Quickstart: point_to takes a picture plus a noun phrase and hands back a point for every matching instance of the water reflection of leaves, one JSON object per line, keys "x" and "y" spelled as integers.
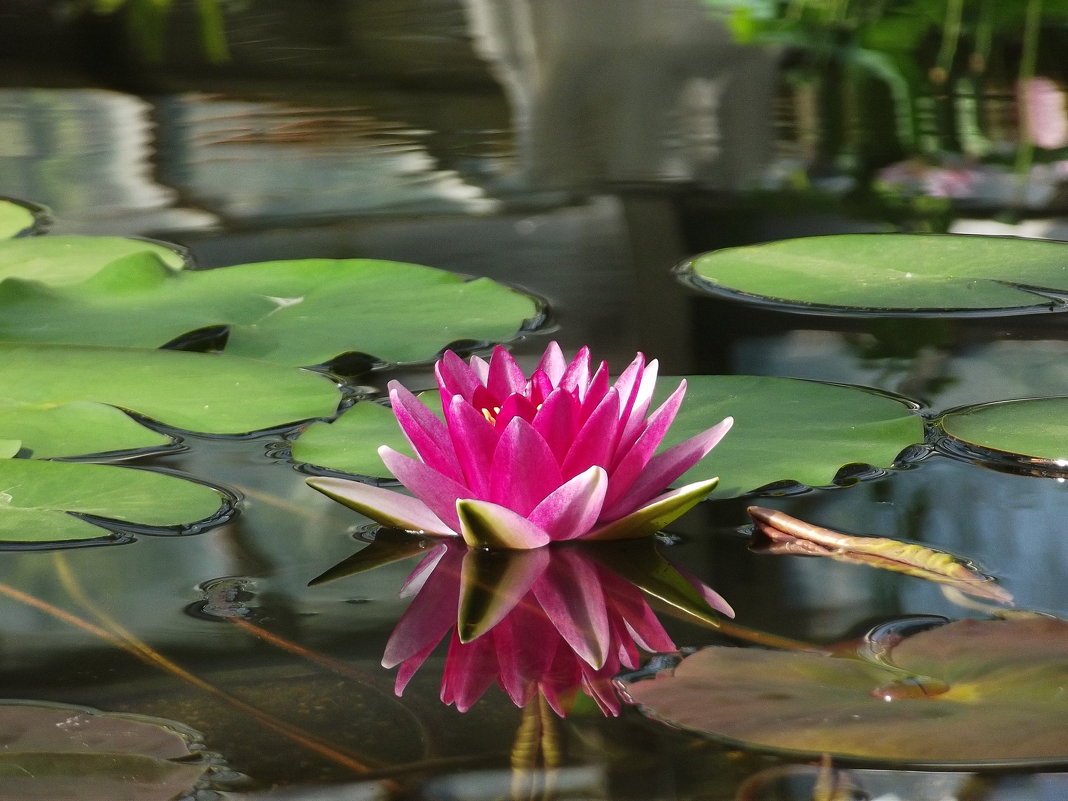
{"x": 543, "y": 623}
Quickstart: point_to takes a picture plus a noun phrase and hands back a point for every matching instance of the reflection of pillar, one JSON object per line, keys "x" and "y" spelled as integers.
{"x": 627, "y": 90}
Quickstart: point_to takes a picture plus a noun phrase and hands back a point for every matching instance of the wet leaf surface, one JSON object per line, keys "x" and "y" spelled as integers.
{"x": 301, "y": 312}
{"x": 68, "y": 401}
{"x": 50, "y": 752}
{"x": 59, "y": 261}
{"x": 968, "y": 693}
{"x": 15, "y": 219}
{"x": 783, "y": 534}
{"x": 35, "y": 497}
{"x": 784, "y": 430}
{"x": 904, "y": 273}
{"x": 1032, "y": 428}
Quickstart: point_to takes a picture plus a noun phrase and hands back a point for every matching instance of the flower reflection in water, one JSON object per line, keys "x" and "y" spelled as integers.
{"x": 542, "y": 623}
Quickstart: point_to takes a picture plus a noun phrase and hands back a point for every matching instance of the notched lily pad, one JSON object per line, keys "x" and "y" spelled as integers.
{"x": 54, "y": 502}
{"x": 1030, "y": 434}
{"x": 971, "y": 693}
{"x": 785, "y": 430}
{"x": 64, "y": 401}
{"x": 890, "y": 273}
{"x": 50, "y": 751}
{"x": 18, "y": 218}
{"x": 59, "y": 261}
{"x": 300, "y": 313}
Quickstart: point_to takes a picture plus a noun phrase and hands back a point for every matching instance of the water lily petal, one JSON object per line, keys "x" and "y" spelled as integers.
{"x": 667, "y": 466}
{"x": 643, "y": 397}
{"x": 438, "y": 492}
{"x": 712, "y": 598}
{"x": 487, "y": 525}
{"x": 474, "y": 440}
{"x": 581, "y": 618}
{"x": 577, "y": 374}
{"x": 656, "y": 514}
{"x": 387, "y": 507}
{"x": 572, "y": 509}
{"x": 430, "y": 615}
{"x": 557, "y": 422}
{"x": 505, "y": 375}
{"x": 593, "y": 393}
{"x": 634, "y": 461}
{"x": 524, "y": 470}
{"x": 455, "y": 376}
{"x": 425, "y": 432}
{"x": 515, "y": 406}
{"x": 596, "y": 439}
{"x": 470, "y": 670}
{"x": 553, "y": 363}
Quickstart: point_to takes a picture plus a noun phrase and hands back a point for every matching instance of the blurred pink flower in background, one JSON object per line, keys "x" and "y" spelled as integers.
{"x": 1043, "y": 112}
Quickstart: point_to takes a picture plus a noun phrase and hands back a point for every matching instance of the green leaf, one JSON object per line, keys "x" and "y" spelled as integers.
{"x": 1035, "y": 429}
{"x": 784, "y": 430}
{"x": 292, "y": 312}
{"x": 902, "y": 273}
{"x": 64, "y": 260}
{"x": 35, "y": 497}
{"x": 52, "y": 396}
{"x": 15, "y": 219}
{"x": 58, "y": 751}
{"x": 968, "y": 693}
{"x": 9, "y": 447}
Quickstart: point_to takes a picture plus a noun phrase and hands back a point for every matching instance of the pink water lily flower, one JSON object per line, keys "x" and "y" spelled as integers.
{"x": 521, "y": 462}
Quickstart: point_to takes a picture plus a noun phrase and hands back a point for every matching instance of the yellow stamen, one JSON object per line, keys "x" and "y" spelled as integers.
{"x": 491, "y": 415}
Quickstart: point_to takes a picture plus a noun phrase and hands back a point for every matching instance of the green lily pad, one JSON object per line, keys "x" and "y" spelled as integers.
{"x": 784, "y": 430}
{"x": 1034, "y": 430}
{"x": 899, "y": 273}
{"x": 58, "y": 261}
{"x": 67, "y": 400}
{"x": 968, "y": 693}
{"x": 58, "y": 751}
{"x": 36, "y": 496}
{"x": 9, "y": 447}
{"x": 17, "y": 219}
{"x": 303, "y": 312}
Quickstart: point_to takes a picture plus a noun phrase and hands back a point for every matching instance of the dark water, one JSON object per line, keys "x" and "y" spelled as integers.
{"x": 578, "y": 155}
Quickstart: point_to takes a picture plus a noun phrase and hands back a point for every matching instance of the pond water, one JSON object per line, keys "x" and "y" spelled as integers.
{"x": 578, "y": 155}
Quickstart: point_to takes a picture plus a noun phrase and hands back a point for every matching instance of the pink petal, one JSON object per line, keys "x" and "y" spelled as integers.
{"x": 712, "y": 598}
{"x": 515, "y": 406}
{"x": 593, "y": 393}
{"x": 667, "y": 466}
{"x": 470, "y": 669}
{"x": 474, "y": 440}
{"x": 580, "y": 617}
{"x": 631, "y": 465}
{"x": 557, "y": 421}
{"x": 577, "y": 374}
{"x": 427, "y": 435}
{"x": 487, "y": 525}
{"x": 422, "y": 571}
{"x": 572, "y": 509}
{"x": 553, "y": 363}
{"x": 596, "y": 439}
{"x": 524, "y": 469}
{"x": 642, "y": 397}
{"x": 384, "y": 506}
{"x": 438, "y": 492}
{"x": 455, "y": 377}
{"x": 481, "y": 607}
{"x": 505, "y": 375}
{"x": 480, "y": 367}
{"x": 656, "y": 514}
{"x": 430, "y": 615}
{"x": 539, "y": 387}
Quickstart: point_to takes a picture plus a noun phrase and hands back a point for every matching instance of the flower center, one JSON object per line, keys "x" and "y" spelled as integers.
{"x": 491, "y": 414}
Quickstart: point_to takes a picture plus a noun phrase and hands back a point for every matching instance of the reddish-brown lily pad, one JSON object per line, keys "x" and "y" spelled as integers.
{"x": 970, "y": 693}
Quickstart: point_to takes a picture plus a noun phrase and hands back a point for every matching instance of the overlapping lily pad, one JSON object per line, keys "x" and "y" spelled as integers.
{"x": 59, "y": 261}
{"x": 38, "y": 500}
{"x": 17, "y": 219}
{"x": 67, "y": 400}
{"x": 784, "y": 430}
{"x": 898, "y": 273}
{"x": 969, "y": 693}
{"x": 1032, "y": 431}
{"x": 304, "y": 312}
{"x": 55, "y": 751}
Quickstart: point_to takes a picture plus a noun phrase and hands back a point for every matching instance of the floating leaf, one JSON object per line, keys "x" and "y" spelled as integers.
{"x": 57, "y": 751}
{"x": 9, "y": 447}
{"x": 292, "y": 312}
{"x": 17, "y": 219}
{"x": 788, "y": 535}
{"x": 784, "y": 430}
{"x": 59, "y": 261}
{"x": 969, "y": 693}
{"x": 53, "y": 397}
{"x": 1032, "y": 429}
{"x": 36, "y": 496}
{"x": 902, "y": 273}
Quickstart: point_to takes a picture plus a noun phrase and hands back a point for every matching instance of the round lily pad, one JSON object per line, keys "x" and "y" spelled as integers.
{"x": 304, "y": 312}
{"x": 785, "y": 430}
{"x": 38, "y": 501}
{"x": 1032, "y": 431}
{"x": 971, "y": 693}
{"x": 68, "y": 400}
{"x": 890, "y": 273}
{"x": 19, "y": 219}
{"x": 52, "y": 751}
{"x": 63, "y": 260}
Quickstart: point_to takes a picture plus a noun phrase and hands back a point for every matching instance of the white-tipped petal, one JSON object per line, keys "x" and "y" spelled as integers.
{"x": 656, "y": 514}
{"x": 384, "y": 506}
{"x": 487, "y": 525}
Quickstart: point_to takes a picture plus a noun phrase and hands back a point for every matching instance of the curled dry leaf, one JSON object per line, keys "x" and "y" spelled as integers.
{"x": 783, "y": 534}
